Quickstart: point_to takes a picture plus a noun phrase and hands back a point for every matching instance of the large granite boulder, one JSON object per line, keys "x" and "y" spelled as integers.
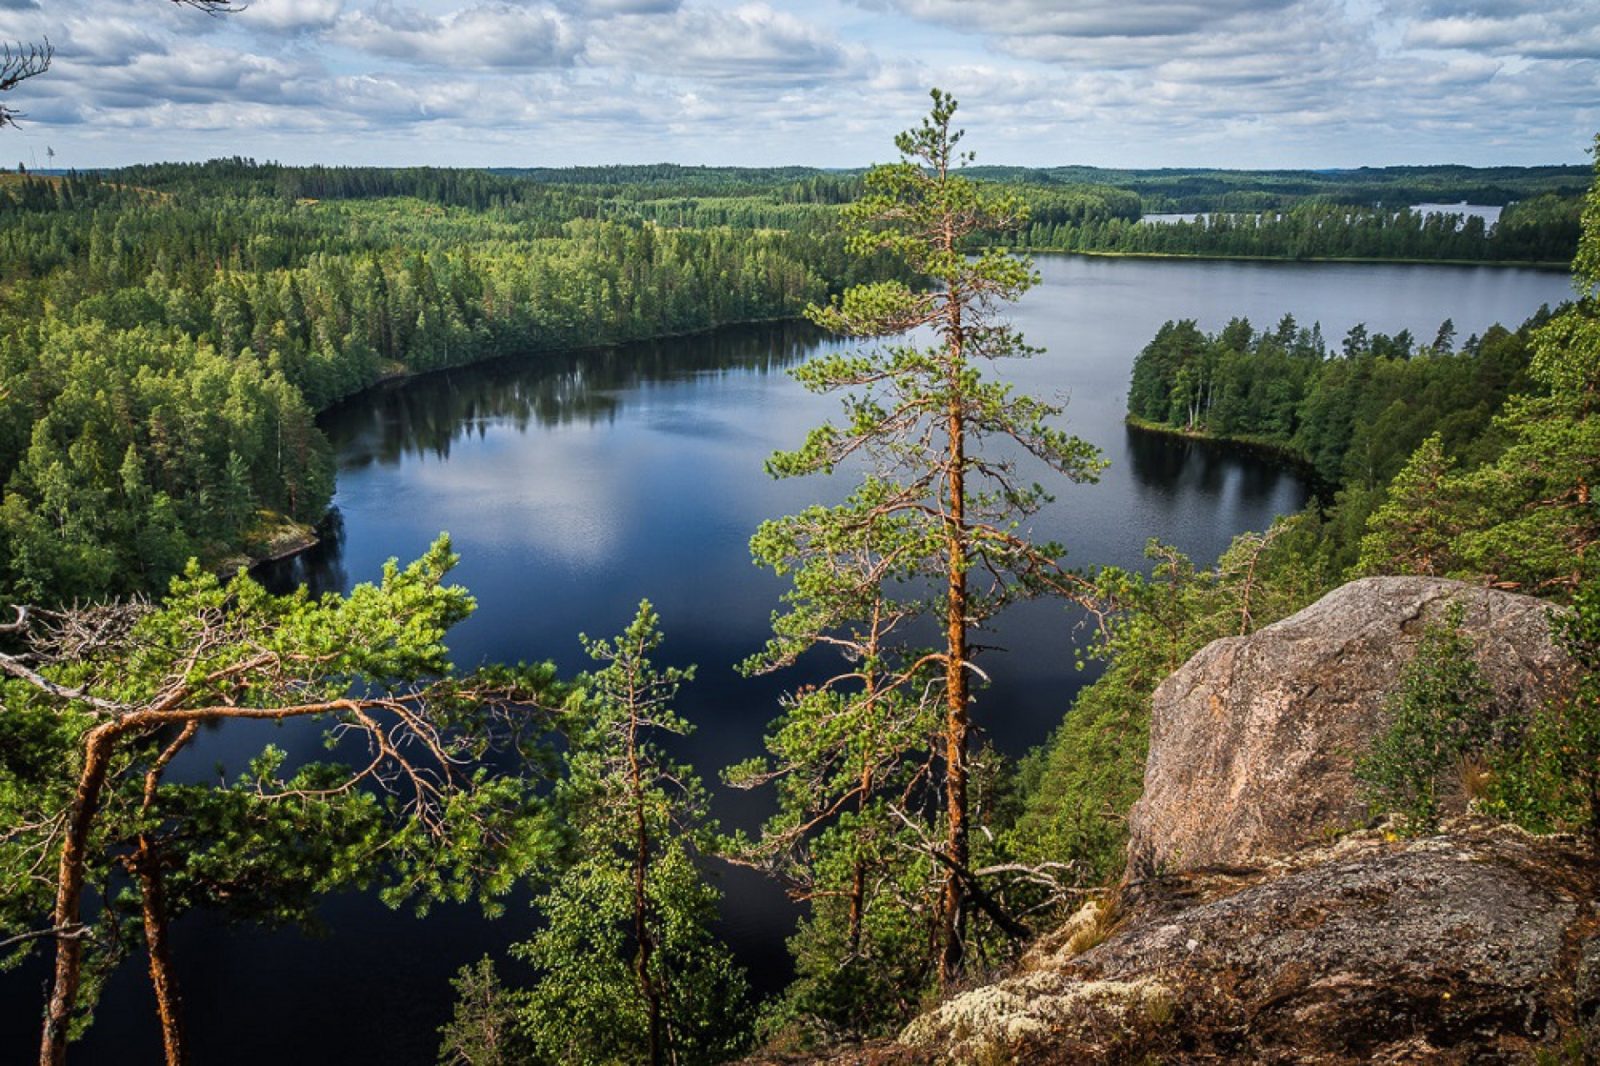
{"x": 1475, "y": 945}
{"x": 1253, "y": 741}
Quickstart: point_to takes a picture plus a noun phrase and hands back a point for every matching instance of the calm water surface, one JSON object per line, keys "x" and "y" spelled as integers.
{"x": 574, "y": 485}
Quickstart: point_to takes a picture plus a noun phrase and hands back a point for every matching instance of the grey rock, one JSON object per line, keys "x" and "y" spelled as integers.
{"x": 1253, "y": 741}
{"x": 1462, "y": 947}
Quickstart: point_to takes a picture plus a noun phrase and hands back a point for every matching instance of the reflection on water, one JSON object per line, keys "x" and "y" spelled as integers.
{"x": 429, "y": 415}
{"x": 320, "y": 569}
{"x": 1173, "y": 467}
{"x": 573, "y": 485}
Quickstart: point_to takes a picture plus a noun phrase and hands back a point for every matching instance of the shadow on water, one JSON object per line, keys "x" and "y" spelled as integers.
{"x": 425, "y": 416}
{"x": 1169, "y": 464}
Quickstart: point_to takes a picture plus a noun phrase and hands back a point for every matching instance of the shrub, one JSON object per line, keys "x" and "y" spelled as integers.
{"x": 1439, "y": 718}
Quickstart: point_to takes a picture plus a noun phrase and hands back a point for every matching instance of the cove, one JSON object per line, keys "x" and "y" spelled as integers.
{"x": 576, "y": 484}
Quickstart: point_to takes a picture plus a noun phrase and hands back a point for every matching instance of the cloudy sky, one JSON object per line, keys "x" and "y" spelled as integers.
{"x": 1232, "y": 83}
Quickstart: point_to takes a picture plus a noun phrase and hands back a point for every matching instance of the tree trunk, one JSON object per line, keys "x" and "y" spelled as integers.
{"x": 641, "y": 925}
{"x": 153, "y": 909}
{"x": 69, "y": 896}
{"x": 858, "y": 875}
{"x": 957, "y": 723}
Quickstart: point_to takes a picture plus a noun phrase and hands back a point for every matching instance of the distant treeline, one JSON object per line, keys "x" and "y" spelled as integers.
{"x": 1541, "y": 230}
{"x": 565, "y": 191}
{"x": 167, "y": 333}
{"x": 1198, "y": 190}
{"x": 1203, "y": 190}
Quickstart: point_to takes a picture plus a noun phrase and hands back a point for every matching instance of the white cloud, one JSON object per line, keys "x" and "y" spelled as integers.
{"x": 751, "y": 43}
{"x": 1118, "y": 82}
{"x": 486, "y": 35}
{"x": 1090, "y": 18}
{"x": 292, "y": 16}
{"x": 1555, "y": 35}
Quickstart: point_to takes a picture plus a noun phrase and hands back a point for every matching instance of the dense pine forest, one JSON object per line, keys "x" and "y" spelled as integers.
{"x": 1541, "y": 230}
{"x": 167, "y": 337}
{"x": 171, "y": 331}
{"x": 169, "y": 334}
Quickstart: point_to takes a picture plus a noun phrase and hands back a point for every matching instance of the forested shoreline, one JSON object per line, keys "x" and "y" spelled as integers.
{"x": 165, "y": 350}
{"x": 137, "y": 436}
{"x": 168, "y": 334}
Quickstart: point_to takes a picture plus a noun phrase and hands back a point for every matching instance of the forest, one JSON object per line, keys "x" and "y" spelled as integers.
{"x": 170, "y": 331}
{"x": 164, "y": 350}
{"x": 168, "y": 335}
{"x": 1541, "y": 230}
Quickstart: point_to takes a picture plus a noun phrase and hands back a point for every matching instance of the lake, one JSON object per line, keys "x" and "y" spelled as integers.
{"x": 1490, "y": 213}
{"x": 575, "y": 484}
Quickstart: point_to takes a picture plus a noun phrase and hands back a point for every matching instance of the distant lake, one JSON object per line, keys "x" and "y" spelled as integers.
{"x": 575, "y": 484}
{"x": 1490, "y": 213}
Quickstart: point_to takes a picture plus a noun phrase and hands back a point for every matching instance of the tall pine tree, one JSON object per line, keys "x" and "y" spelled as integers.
{"x": 919, "y": 416}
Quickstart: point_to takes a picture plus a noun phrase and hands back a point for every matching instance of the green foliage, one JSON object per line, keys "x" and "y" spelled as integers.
{"x": 483, "y": 1029}
{"x": 441, "y": 802}
{"x": 1520, "y": 509}
{"x": 628, "y": 968}
{"x": 1550, "y": 780}
{"x": 844, "y": 757}
{"x": 1411, "y": 530}
{"x": 587, "y": 1007}
{"x": 1077, "y": 786}
{"x": 862, "y": 979}
{"x": 1440, "y": 719}
{"x": 1353, "y": 417}
{"x": 1075, "y": 789}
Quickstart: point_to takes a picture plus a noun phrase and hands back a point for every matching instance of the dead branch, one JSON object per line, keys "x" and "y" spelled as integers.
{"x": 986, "y": 903}
{"x": 77, "y": 931}
{"x": 16, "y": 66}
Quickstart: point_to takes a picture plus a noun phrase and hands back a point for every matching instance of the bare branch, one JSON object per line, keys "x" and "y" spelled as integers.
{"x": 76, "y": 931}
{"x": 16, "y": 668}
{"x": 16, "y": 66}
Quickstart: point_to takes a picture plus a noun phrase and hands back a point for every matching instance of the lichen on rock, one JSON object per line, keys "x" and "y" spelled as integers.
{"x": 1466, "y": 946}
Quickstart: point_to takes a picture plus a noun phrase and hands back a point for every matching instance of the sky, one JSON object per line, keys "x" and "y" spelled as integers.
{"x": 1134, "y": 83}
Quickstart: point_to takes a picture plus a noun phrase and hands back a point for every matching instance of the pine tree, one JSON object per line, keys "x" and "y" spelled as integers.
{"x": 1410, "y": 532}
{"x": 629, "y": 970}
{"x": 849, "y": 758}
{"x": 917, "y": 416}
{"x": 102, "y": 700}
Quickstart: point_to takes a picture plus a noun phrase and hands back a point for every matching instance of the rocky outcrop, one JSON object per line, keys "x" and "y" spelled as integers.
{"x": 1252, "y": 742}
{"x": 1263, "y": 920}
{"x": 1471, "y": 946}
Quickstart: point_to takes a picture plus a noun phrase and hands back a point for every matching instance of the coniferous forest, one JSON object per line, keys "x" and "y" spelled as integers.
{"x": 169, "y": 335}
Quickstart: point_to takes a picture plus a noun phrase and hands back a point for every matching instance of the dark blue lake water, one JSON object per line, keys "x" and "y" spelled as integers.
{"x": 575, "y": 484}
